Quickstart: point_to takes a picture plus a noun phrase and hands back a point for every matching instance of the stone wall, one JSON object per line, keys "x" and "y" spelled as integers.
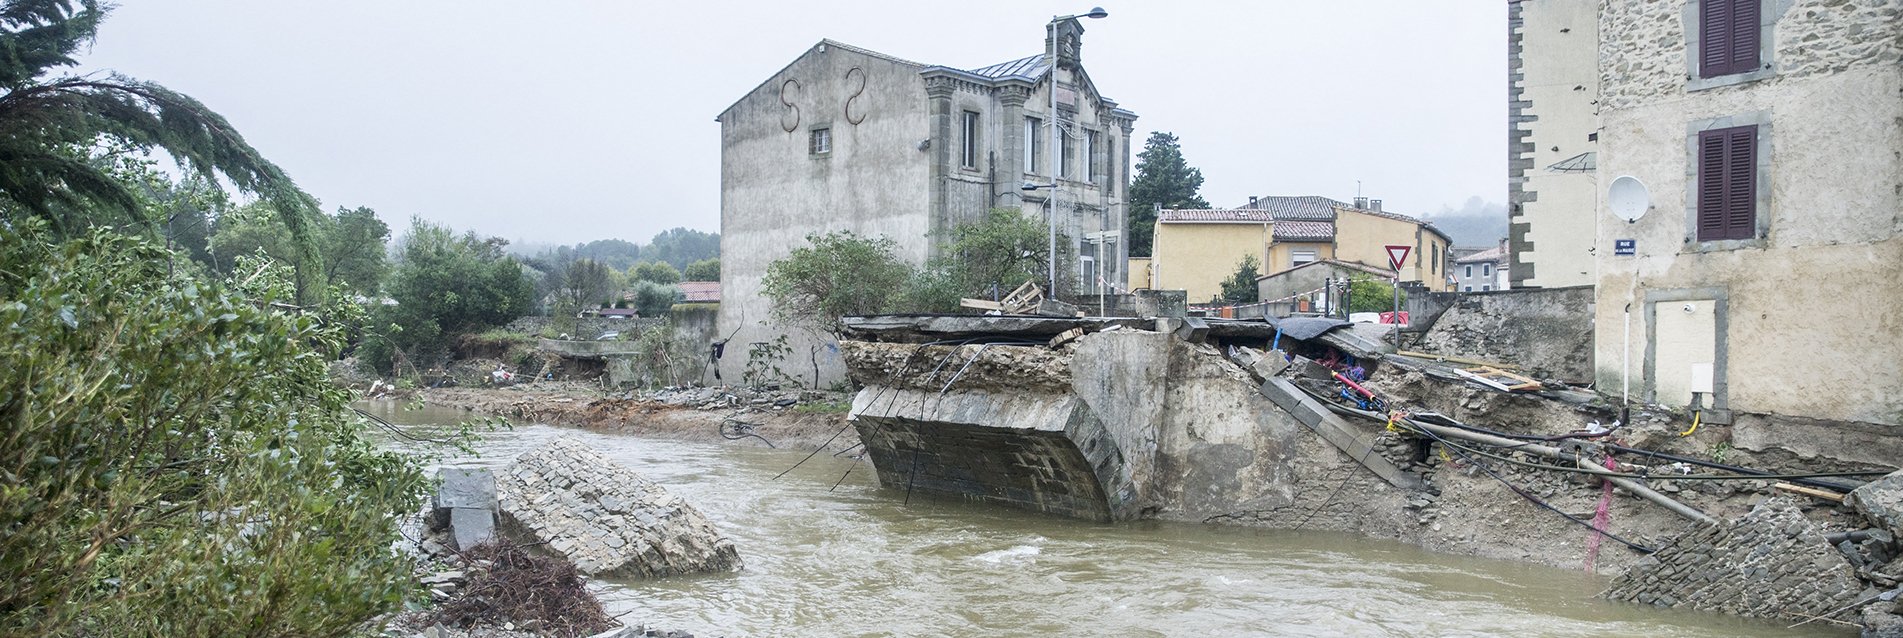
{"x": 1547, "y": 331}
{"x": 1772, "y": 563}
{"x": 1645, "y": 43}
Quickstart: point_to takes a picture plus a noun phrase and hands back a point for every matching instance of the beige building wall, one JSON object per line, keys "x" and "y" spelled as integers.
{"x": 1139, "y": 274}
{"x": 1554, "y": 112}
{"x": 1803, "y": 320}
{"x": 1282, "y": 254}
{"x": 1363, "y": 237}
{"x": 1197, "y": 257}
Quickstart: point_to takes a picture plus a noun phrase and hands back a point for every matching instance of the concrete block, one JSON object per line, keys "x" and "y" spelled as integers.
{"x": 470, "y": 526}
{"x": 465, "y": 487}
{"x": 1271, "y": 364}
{"x": 1162, "y": 303}
{"x": 1193, "y": 330}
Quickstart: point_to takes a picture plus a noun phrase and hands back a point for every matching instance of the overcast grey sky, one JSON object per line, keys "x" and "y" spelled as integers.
{"x": 569, "y": 121}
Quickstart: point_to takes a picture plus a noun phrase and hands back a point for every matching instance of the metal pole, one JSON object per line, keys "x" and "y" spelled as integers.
{"x": 1634, "y": 487}
{"x": 1055, "y": 152}
{"x": 1397, "y": 310}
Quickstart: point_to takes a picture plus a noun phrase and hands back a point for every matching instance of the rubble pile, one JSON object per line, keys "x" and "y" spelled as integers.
{"x": 605, "y": 518}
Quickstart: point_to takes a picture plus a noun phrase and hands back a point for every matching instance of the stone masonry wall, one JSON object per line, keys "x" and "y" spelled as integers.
{"x": 585, "y": 327}
{"x": 1643, "y": 44}
{"x": 604, "y": 517}
{"x": 1772, "y": 563}
{"x": 1548, "y": 331}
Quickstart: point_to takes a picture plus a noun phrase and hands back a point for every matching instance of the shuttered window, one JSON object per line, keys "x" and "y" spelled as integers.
{"x": 1727, "y": 183}
{"x": 1728, "y": 39}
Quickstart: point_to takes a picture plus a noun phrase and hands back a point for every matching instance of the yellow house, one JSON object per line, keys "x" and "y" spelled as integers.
{"x": 1196, "y": 249}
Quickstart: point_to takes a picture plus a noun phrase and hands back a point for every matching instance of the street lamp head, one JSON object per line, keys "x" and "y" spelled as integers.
{"x": 1031, "y": 186}
{"x": 1096, "y": 12}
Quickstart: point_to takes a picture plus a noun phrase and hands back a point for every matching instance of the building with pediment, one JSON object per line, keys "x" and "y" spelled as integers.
{"x": 844, "y": 138}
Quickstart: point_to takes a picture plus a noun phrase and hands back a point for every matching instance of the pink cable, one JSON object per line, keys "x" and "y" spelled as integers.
{"x": 1601, "y": 517}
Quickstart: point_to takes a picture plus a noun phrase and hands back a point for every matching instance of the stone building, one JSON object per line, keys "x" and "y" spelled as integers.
{"x": 846, "y": 139}
{"x": 1195, "y": 250}
{"x": 1763, "y": 281}
{"x": 1552, "y": 133}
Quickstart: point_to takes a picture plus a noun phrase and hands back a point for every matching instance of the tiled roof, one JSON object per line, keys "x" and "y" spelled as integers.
{"x": 1170, "y": 215}
{"x": 1350, "y": 265}
{"x": 1494, "y": 254}
{"x": 1030, "y": 68}
{"x": 700, "y": 291}
{"x": 1304, "y": 231}
{"x": 1309, "y": 207}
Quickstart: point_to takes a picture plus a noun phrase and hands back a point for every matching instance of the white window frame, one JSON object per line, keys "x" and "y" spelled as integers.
{"x": 968, "y": 151}
{"x": 1295, "y": 257}
{"x": 1031, "y": 139}
{"x": 819, "y": 141}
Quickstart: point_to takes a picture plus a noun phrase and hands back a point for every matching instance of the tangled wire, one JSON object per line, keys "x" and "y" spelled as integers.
{"x": 525, "y": 589}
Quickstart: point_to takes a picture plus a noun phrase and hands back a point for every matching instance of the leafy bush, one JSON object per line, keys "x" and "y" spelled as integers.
{"x": 837, "y": 274}
{"x": 177, "y": 462}
{"x": 1240, "y": 287}
{"x": 652, "y": 299}
{"x": 669, "y": 356}
{"x": 1367, "y": 294}
{"x": 444, "y": 285}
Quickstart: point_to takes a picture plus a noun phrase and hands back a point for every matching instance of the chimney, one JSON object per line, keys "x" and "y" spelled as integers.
{"x": 1361, "y": 203}
{"x": 1252, "y": 200}
{"x": 1374, "y": 205}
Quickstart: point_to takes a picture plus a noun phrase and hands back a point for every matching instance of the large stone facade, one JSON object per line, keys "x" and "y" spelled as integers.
{"x": 1758, "y": 330}
{"x": 912, "y": 151}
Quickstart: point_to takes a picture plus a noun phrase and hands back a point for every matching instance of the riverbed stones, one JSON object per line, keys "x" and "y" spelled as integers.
{"x": 605, "y": 518}
{"x": 1881, "y": 501}
{"x": 1772, "y": 563}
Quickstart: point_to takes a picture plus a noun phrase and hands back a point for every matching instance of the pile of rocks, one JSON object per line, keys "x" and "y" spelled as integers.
{"x": 605, "y": 518}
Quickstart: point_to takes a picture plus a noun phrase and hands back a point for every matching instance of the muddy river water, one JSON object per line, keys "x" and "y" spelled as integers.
{"x": 858, "y": 560}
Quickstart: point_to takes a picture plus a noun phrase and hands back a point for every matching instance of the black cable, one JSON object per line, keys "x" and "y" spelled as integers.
{"x": 1534, "y": 499}
{"x": 742, "y": 430}
{"x": 1672, "y": 477}
{"x": 1331, "y": 495}
{"x": 394, "y": 430}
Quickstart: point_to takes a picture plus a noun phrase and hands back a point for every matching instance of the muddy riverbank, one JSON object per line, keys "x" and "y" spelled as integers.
{"x": 806, "y": 423}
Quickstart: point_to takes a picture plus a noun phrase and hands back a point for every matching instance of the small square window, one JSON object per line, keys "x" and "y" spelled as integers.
{"x": 1299, "y": 257}
{"x": 1486, "y": 287}
{"x": 820, "y": 141}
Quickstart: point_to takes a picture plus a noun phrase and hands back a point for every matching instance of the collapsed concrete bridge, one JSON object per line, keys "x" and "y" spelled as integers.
{"x": 1129, "y": 419}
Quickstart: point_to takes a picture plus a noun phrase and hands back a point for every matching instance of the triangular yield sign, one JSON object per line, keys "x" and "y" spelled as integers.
{"x": 1397, "y": 255}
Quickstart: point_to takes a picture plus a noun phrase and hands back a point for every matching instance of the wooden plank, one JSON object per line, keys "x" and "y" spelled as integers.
{"x": 1453, "y": 359}
{"x": 980, "y": 304}
{"x": 1810, "y": 491}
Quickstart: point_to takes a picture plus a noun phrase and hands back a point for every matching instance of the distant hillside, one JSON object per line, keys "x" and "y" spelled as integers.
{"x": 1476, "y": 224}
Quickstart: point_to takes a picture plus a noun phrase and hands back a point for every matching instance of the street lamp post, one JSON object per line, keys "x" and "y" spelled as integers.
{"x": 1057, "y": 151}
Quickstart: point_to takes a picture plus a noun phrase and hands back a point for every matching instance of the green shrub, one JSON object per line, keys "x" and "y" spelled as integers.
{"x": 176, "y": 461}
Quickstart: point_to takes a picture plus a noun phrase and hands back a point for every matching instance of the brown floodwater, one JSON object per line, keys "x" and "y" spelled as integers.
{"x": 859, "y": 560}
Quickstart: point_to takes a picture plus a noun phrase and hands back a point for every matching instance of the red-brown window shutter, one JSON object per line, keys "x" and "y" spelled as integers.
{"x": 1728, "y": 37}
{"x": 1727, "y": 183}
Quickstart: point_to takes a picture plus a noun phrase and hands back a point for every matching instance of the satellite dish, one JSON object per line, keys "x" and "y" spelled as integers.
{"x": 1628, "y": 198}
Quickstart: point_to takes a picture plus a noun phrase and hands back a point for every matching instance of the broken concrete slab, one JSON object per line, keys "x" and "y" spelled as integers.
{"x": 1354, "y": 442}
{"x": 604, "y": 517}
{"x": 470, "y": 526}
